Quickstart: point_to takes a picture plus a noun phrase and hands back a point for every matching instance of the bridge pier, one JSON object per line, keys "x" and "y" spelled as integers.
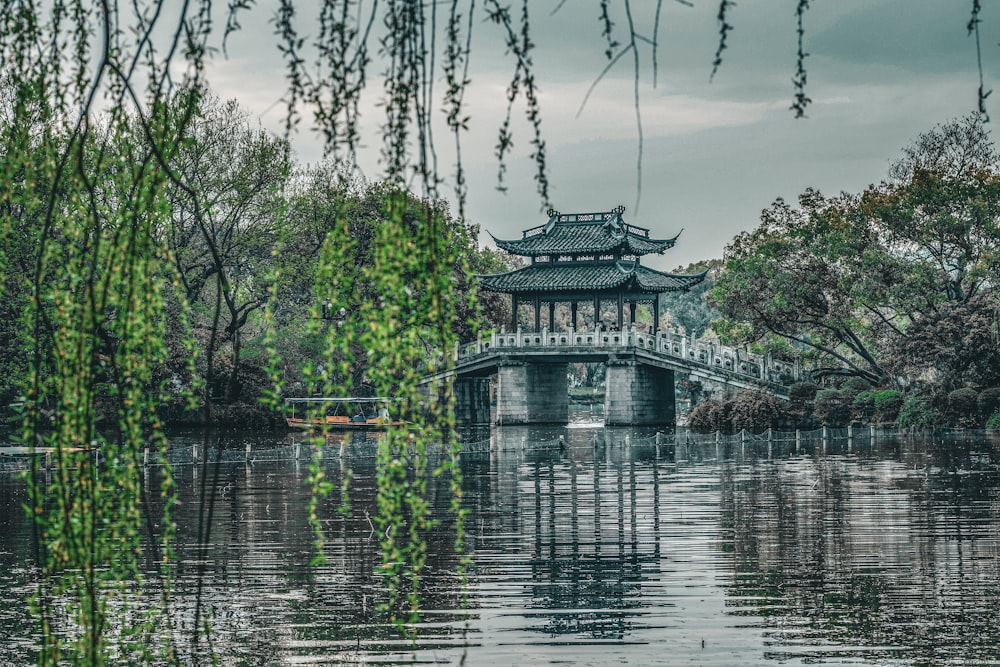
{"x": 532, "y": 393}
{"x": 638, "y": 395}
{"x": 472, "y": 400}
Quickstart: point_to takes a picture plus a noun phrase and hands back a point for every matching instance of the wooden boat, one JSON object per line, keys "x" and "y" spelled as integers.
{"x": 341, "y": 414}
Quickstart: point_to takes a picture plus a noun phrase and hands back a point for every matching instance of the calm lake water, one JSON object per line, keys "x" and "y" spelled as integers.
{"x": 594, "y": 552}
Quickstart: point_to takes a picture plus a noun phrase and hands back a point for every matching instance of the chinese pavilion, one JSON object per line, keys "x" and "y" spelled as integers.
{"x": 587, "y": 258}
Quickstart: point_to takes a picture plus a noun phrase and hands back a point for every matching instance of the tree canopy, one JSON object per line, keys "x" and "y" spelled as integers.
{"x": 866, "y": 281}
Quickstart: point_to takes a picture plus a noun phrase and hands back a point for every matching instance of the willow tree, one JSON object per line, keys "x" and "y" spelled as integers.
{"x": 97, "y": 137}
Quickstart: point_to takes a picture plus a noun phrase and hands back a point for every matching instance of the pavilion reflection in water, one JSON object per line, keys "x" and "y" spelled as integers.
{"x": 583, "y": 515}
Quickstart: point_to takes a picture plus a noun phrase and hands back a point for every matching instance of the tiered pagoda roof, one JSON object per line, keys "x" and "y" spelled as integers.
{"x": 587, "y": 252}
{"x": 588, "y": 276}
{"x": 585, "y": 233}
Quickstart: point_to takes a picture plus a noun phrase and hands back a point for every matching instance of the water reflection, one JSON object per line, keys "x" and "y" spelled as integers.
{"x": 587, "y": 519}
{"x": 588, "y": 545}
{"x": 882, "y": 559}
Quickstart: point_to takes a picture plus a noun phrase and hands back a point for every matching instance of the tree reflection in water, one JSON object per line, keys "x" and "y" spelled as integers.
{"x": 891, "y": 555}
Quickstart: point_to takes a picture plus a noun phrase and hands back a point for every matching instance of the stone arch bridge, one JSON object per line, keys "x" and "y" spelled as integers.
{"x": 531, "y": 379}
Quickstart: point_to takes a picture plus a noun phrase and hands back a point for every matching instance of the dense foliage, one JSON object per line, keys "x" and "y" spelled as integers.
{"x": 895, "y": 286}
{"x": 242, "y": 233}
{"x": 733, "y": 412}
{"x": 810, "y": 407}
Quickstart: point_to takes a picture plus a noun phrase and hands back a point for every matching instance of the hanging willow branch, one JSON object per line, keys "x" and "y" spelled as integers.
{"x": 973, "y": 28}
{"x": 87, "y": 188}
{"x": 520, "y": 45}
{"x": 724, "y": 28}
{"x": 800, "y": 101}
{"x": 607, "y": 30}
{"x": 456, "y": 70}
{"x": 631, "y": 48}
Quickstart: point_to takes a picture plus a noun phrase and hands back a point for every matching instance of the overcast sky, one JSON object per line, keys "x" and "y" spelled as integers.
{"x": 716, "y": 152}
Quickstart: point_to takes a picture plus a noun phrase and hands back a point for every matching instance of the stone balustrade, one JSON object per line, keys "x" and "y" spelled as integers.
{"x": 691, "y": 353}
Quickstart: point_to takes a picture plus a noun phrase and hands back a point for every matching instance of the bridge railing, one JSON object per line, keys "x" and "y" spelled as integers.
{"x": 710, "y": 356}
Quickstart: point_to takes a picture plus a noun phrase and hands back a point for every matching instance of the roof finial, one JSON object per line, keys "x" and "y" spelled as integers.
{"x": 552, "y": 213}
{"x": 618, "y": 209}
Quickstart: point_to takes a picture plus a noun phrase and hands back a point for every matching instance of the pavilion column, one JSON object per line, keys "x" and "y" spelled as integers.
{"x": 656, "y": 314}
{"x": 621, "y": 308}
{"x": 572, "y": 309}
{"x": 631, "y": 312}
{"x": 552, "y": 315}
{"x": 538, "y": 314}
{"x": 513, "y": 312}
{"x": 597, "y": 311}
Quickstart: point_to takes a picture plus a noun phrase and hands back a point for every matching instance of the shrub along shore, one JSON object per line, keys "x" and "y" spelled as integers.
{"x": 854, "y": 403}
